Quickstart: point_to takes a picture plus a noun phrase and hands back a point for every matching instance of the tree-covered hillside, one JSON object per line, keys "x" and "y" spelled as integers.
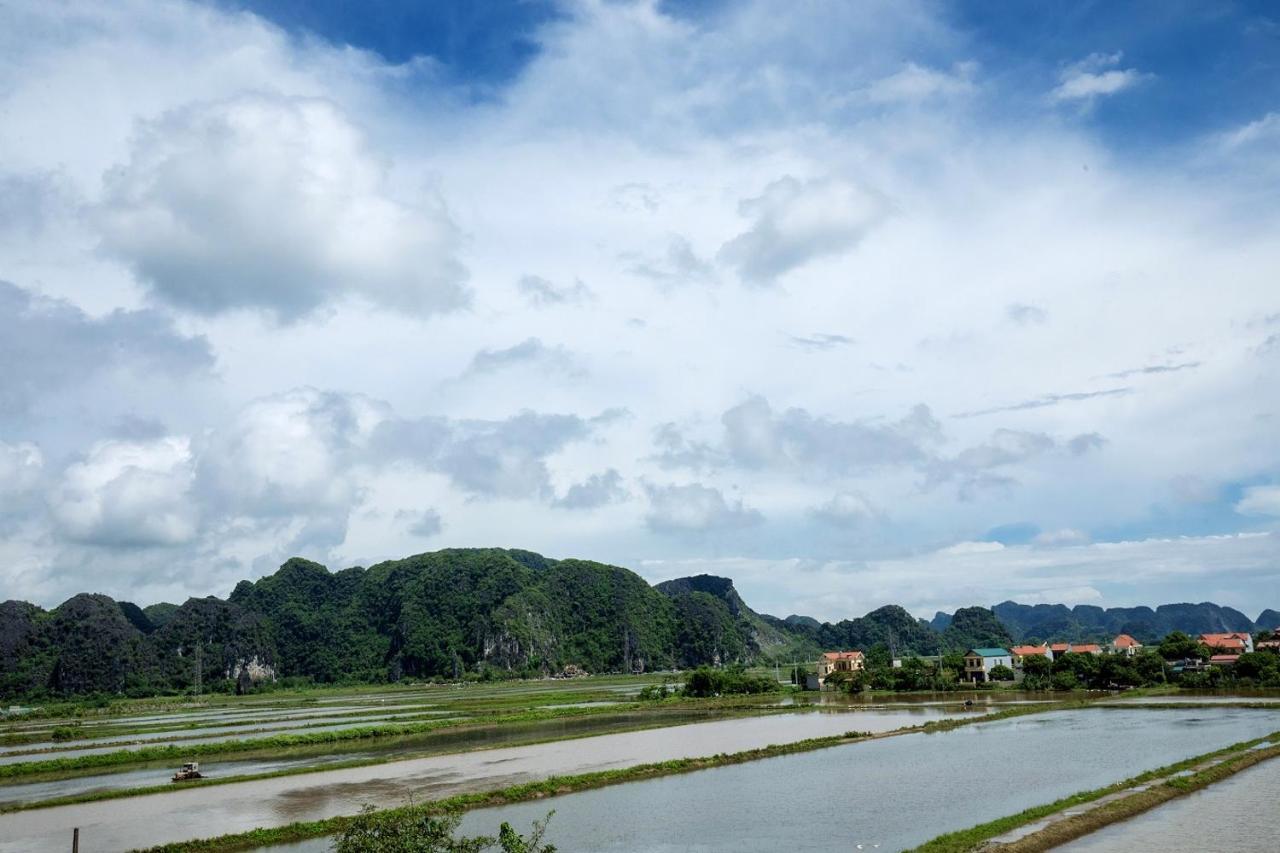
{"x": 456, "y": 613}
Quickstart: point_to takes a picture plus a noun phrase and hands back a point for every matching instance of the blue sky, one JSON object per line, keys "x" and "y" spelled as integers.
{"x": 914, "y": 302}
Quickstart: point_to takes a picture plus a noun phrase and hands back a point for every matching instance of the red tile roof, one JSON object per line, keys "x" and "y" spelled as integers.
{"x": 1061, "y": 647}
{"x": 1023, "y": 651}
{"x": 1220, "y": 639}
{"x": 1086, "y": 648}
{"x": 842, "y": 655}
{"x": 1124, "y": 641}
{"x": 1224, "y": 658}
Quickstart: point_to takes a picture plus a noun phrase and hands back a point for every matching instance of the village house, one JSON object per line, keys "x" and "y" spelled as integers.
{"x": 1057, "y": 650}
{"x": 1125, "y": 645}
{"x": 1022, "y": 652}
{"x": 839, "y": 662}
{"x": 978, "y": 663}
{"x": 1233, "y": 643}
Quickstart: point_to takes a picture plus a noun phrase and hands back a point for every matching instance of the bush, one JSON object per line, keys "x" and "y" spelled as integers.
{"x": 705, "y": 681}
{"x": 1000, "y": 672}
{"x": 415, "y": 830}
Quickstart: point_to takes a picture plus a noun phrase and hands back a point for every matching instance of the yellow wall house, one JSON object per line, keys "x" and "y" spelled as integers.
{"x": 978, "y": 663}
{"x": 839, "y": 662}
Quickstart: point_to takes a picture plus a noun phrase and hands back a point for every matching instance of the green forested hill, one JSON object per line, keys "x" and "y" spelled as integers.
{"x": 465, "y": 611}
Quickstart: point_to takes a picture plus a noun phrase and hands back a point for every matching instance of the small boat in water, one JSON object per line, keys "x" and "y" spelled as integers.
{"x": 189, "y": 771}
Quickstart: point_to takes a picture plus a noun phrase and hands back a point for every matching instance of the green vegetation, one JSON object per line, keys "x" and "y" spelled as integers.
{"x": 491, "y": 614}
{"x": 705, "y": 681}
{"x": 422, "y": 832}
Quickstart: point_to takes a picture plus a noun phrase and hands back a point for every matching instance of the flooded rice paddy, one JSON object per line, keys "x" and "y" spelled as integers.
{"x": 205, "y": 811}
{"x": 1237, "y": 814}
{"x": 895, "y": 793}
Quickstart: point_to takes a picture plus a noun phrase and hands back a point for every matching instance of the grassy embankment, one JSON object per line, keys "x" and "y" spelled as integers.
{"x": 1237, "y": 757}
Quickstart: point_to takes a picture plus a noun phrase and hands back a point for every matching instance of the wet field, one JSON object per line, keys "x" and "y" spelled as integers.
{"x": 1238, "y": 814}
{"x": 144, "y": 821}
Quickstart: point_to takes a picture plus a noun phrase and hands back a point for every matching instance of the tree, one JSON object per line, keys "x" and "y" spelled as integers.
{"x": 1000, "y": 672}
{"x": 1178, "y": 646}
{"x": 1037, "y": 665}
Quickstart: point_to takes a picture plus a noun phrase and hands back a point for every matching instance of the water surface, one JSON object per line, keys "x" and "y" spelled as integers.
{"x": 897, "y": 793}
{"x": 216, "y": 810}
{"x": 1237, "y": 814}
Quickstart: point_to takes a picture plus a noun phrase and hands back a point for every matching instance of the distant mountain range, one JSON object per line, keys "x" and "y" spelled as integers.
{"x": 446, "y": 613}
{"x": 1085, "y": 622}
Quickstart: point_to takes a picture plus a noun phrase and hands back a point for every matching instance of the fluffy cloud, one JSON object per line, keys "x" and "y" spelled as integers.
{"x": 916, "y": 83}
{"x": 847, "y": 509}
{"x": 678, "y": 265}
{"x": 128, "y": 494}
{"x": 530, "y": 352}
{"x": 425, "y": 524}
{"x": 1260, "y": 500}
{"x": 21, "y": 467}
{"x": 542, "y": 293}
{"x": 595, "y": 491}
{"x": 277, "y": 204}
{"x": 795, "y": 222}
{"x": 696, "y": 509}
{"x": 292, "y": 453}
{"x": 755, "y": 436}
{"x": 1095, "y": 76}
{"x": 49, "y": 344}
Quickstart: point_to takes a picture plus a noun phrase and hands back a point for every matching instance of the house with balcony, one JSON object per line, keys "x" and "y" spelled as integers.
{"x": 978, "y": 663}
{"x": 830, "y": 662}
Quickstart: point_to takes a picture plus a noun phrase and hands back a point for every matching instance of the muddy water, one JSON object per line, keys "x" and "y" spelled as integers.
{"x": 198, "y": 812}
{"x": 1238, "y": 814}
{"x": 387, "y": 749}
{"x": 158, "y": 774}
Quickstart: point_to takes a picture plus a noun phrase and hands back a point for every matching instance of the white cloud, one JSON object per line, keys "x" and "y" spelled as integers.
{"x": 846, "y": 509}
{"x": 933, "y": 220}
{"x": 1063, "y": 537}
{"x": 291, "y": 453}
{"x": 276, "y": 204}
{"x": 696, "y": 509}
{"x": 21, "y": 467}
{"x": 795, "y": 222}
{"x": 918, "y": 83}
{"x": 1260, "y": 500}
{"x": 128, "y": 493}
{"x": 1094, "y": 77}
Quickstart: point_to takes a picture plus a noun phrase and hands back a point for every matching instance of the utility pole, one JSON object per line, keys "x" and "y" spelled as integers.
{"x": 199, "y": 686}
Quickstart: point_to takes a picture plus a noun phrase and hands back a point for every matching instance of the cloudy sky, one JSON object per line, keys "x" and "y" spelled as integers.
{"x": 856, "y": 303}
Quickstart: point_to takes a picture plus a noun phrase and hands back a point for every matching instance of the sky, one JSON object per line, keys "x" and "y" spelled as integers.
{"x": 901, "y": 302}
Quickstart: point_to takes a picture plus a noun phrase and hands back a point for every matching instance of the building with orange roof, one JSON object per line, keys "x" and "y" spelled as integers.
{"x": 1232, "y": 643}
{"x": 1123, "y": 644}
{"x": 1020, "y": 652}
{"x": 1086, "y": 648}
{"x": 830, "y": 662}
